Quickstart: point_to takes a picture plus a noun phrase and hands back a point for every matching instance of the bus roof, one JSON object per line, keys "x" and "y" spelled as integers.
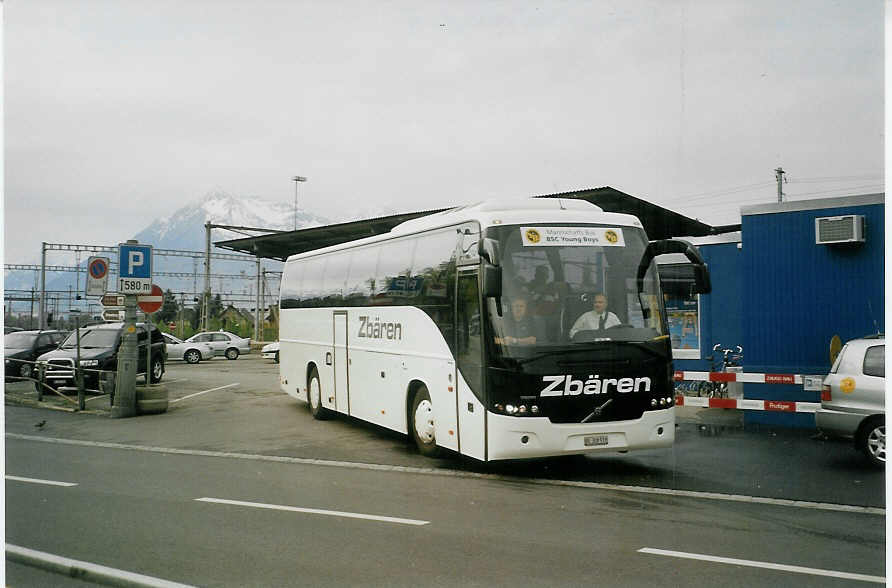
{"x": 498, "y": 212}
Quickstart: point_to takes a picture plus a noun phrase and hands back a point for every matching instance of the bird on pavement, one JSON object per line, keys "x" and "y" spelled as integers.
{"x": 40, "y": 424}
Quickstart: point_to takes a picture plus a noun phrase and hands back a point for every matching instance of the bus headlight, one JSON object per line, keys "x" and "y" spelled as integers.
{"x": 516, "y": 410}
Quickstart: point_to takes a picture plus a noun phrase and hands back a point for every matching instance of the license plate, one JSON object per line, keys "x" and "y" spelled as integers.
{"x": 595, "y": 440}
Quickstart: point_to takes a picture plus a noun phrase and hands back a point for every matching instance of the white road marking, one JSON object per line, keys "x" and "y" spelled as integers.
{"x": 37, "y": 481}
{"x": 459, "y": 474}
{"x": 83, "y": 570}
{"x": 205, "y": 392}
{"x": 767, "y": 565}
{"x": 332, "y": 513}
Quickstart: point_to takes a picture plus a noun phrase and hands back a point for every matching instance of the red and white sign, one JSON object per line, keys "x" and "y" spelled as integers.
{"x": 745, "y": 377}
{"x": 747, "y": 404}
{"x": 149, "y": 303}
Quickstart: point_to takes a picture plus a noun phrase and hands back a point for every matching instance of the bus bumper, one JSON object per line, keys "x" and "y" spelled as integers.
{"x": 525, "y": 437}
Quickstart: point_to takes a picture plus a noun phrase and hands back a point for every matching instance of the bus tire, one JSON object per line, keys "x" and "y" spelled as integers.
{"x": 314, "y": 397}
{"x": 421, "y": 423}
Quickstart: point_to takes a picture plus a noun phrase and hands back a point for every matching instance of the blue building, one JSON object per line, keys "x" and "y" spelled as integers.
{"x": 796, "y": 276}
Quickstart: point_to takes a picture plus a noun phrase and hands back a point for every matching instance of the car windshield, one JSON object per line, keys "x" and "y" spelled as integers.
{"x": 96, "y": 338}
{"x": 19, "y": 340}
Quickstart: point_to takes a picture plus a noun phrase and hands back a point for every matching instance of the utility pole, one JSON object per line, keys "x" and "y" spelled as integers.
{"x": 779, "y": 176}
{"x": 41, "y": 309}
{"x": 205, "y": 324}
{"x": 296, "y": 180}
{"x": 258, "y": 325}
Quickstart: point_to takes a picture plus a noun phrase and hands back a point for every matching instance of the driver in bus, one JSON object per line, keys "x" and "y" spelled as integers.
{"x": 519, "y": 328}
{"x": 597, "y": 318}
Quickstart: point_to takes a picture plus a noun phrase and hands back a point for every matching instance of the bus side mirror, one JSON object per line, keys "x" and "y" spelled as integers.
{"x": 702, "y": 282}
{"x": 489, "y": 250}
{"x": 492, "y": 280}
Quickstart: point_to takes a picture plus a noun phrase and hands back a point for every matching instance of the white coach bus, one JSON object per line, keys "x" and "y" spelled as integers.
{"x": 420, "y": 330}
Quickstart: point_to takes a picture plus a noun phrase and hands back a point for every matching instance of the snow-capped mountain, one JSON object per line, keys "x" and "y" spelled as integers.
{"x": 184, "y": 229}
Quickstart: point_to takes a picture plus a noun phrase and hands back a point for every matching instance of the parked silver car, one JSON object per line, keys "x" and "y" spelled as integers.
{"x": 224, "y": 343}
{"x": 188, "y": 352}
{"x": 853, "y": 397}
{"x": 270, "y": 351}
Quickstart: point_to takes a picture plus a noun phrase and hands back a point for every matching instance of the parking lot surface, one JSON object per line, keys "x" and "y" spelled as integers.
{"x": 237, "y": 407}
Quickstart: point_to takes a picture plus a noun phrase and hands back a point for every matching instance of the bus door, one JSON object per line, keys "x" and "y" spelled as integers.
{"x": 339, "y": 350}
{"x": 469, "y": 364}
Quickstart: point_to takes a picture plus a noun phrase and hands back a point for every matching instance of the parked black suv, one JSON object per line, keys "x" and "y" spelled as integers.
{"x": 99, "y": 352}
{"x": 22, "y": 348}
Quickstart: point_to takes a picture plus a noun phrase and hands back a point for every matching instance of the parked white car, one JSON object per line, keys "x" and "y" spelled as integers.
{"x": 188, "y": 352}
{"x": 223, "y": 343}
{"x": 853, "y": 397}
{"x": 271, "y": 351}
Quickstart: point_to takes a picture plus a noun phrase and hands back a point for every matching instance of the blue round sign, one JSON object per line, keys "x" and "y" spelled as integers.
{"x": 98, "y": 269}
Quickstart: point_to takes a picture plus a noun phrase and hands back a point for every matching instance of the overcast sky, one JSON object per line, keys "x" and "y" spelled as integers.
{"x": 121, "y": 111}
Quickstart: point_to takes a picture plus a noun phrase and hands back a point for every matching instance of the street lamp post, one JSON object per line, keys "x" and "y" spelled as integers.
{"x": 296, "y": 180}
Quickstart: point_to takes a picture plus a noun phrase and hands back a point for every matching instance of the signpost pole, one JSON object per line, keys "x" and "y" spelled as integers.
{"x": 125, "y": 382}
{"x": 134, "y": 278}
{"x": 79, "y": 378}
{"x": 148, "y": 349}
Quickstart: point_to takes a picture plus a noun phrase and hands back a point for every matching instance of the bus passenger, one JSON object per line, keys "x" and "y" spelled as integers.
{"x": 518, "y": 328}
{"x": 597, "y": 318}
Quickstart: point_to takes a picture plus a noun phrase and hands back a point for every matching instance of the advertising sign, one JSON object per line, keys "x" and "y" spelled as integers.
{"x": 572, "y": 236}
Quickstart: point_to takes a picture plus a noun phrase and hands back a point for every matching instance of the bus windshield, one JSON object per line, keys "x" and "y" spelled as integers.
{"x": 569, "y": 286}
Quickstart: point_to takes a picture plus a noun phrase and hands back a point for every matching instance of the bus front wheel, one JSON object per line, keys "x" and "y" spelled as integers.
{"x": 422, "y": 423}
{"x": 314, "y": 396}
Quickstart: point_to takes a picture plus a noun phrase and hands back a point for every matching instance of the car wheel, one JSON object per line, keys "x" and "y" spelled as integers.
{"x": 314, "y": 396}
{"x": 277, "y": 357}
{"x": 421, "y": 424}
{"x": 192, "y": 356}
{"x": 232, "y": 353}
{"x": 25, "y": 370}
{"x": 872, "y": 440}
{"x": 157, "y": 370}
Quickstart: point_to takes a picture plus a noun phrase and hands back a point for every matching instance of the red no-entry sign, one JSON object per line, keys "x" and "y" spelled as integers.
{"x": 149, "y": 303}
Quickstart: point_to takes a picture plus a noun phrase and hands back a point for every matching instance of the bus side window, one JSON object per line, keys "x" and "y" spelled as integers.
{"x": 392, "y": 276}
{"x": 433, "y": 279}
{"x": 360, "y": 286}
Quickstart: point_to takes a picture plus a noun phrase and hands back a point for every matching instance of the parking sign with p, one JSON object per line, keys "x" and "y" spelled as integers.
{"x": 134, "y": 268}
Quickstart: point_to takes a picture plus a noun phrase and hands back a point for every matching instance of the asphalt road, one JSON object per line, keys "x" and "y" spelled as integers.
{"x": 213, "y": 521}
{"x": 235, "y": 437}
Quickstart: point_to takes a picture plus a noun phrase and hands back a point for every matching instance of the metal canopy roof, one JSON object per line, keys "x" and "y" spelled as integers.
{"x": 659, "y": 222}
{"x": 281, "y": 245}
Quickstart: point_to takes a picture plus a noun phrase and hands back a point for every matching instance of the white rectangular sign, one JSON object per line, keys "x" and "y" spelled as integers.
{"x": 97, "y": 275}
{"x": 572, "y": 236}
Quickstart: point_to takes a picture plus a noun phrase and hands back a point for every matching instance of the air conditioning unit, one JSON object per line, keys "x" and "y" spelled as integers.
{"x": 848, "y": 228}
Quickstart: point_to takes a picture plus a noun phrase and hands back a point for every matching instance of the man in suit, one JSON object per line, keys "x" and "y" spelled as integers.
{"x": 599, "y": 318}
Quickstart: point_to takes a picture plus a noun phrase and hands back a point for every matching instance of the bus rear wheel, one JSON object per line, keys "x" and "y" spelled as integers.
{"x": 314, "y": 396}
{"x": 421, "y": 423}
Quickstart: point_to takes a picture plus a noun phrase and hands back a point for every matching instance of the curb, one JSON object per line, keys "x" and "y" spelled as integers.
{"x": 82, "y": 570}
